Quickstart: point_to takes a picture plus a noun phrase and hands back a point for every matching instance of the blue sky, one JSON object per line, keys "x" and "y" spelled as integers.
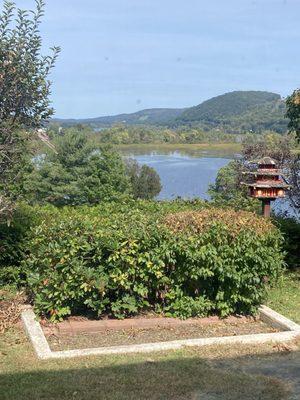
{"x": 126, "y": 55}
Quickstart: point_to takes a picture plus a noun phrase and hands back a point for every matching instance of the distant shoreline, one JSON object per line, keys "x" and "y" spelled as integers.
{"x": 228, "y": 149}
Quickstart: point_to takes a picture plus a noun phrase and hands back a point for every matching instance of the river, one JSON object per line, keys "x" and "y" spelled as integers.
{"x": 187, "y": 174}
{"x": 181, "y": 175}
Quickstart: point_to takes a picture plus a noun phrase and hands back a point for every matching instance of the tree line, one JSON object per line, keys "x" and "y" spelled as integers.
{"x": 143, "y": 134}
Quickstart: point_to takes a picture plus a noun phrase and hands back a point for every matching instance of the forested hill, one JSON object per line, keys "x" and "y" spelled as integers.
{"x": 238, "y": 111}
{"x": 152, "y": 116}
{"x": 234, "y": 112}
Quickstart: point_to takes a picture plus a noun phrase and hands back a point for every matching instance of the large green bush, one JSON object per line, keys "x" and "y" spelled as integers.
{"x": 15, "y": 234}
{"x": 290, "y": 228}
{"x": 13, "y": 243}
{"x": 182, "y": 259}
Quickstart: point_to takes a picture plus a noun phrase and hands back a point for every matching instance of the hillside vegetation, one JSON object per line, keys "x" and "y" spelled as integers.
{"x": 152, "y": 116}
{"x": 238, "y": 112}
{"x": 234, "y": 112}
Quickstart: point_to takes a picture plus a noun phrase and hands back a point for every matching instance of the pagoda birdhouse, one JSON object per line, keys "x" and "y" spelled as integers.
{"x": 267, "y": 183}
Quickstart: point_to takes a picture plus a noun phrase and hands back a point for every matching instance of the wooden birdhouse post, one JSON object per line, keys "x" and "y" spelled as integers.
{"x": 267, "y": 184}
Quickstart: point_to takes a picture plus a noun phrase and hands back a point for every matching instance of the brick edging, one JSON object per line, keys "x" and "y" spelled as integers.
{"x": 98, "y": 326}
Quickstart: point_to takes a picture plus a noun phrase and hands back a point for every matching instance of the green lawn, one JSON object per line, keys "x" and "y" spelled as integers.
{"x": 210, "y": 373}
{"x": 185, "y": 374}
{"x": 285, "y": 297}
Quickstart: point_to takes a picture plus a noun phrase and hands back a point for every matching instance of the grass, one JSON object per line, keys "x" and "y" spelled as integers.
{"x": 184, "y": 374}
{"x": 285, "y": 297}
{"x": 210, "y": 373}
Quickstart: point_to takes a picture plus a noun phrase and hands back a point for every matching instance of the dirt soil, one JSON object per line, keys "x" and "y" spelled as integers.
{"x": 117, "y": 337}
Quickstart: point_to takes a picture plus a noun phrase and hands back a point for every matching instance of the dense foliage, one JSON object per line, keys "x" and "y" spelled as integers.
{"x": 145, "y": 181}
{"x": 278, "y": 147}
{"x": 290, "y": 228}
{"x": 123, "y": 134}
{"x": 228, "y": 189}
{"x": 76, "y": 173}
{"x": 293, "y": 112}
{"x": 238, "y": 112}
{"x": 13, "y": 240}
{"x": 119, "y": 260}
{"x": 24, "y": 92}
{"x": 14, "y": 236}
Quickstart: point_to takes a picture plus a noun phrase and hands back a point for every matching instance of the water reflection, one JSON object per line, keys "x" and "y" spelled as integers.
{"x": 221, "y": 151}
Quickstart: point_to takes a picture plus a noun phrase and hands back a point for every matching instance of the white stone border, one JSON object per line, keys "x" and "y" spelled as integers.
{"x": 35, "y": 334}
{"x": 291, "y": 330}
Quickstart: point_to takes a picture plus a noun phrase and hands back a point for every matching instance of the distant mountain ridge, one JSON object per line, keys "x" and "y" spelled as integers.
{"x": 151, "y": 116}
{"x": 238, "y": 111}
{"x": 233, "y": 112}
{"x": 228, "y": 104}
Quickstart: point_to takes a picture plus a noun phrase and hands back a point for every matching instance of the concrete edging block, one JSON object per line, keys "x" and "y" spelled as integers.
{"x": 277, "y": 320}
{"x": 36, "y": 334}
{"x": 291, "y": 330}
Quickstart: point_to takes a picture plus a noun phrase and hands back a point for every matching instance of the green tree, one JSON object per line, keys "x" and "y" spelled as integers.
{"x": 24, "y": 92}
{"x": 228, "y": 179}
{"x": 270, "y": 144}
{"x": 228, "y": 190}
{"x": 145, "y": 180}
{"x": 77, "y": 173}
{"x": 293, "y": 112}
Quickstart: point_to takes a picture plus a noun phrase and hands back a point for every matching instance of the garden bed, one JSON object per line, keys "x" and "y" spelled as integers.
{"x": 78, "y": 334}
{"x": 285, "y": 330}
